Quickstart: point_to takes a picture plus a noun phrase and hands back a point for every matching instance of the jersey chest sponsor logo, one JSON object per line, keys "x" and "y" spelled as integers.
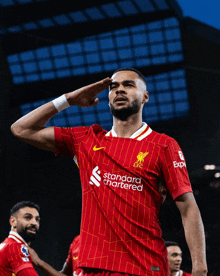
{"x": 115, "y": 180}
{"x": 140, "y": 159}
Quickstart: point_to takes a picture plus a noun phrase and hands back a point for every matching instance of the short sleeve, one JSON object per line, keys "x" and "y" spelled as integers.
{"x": 68, "y": 140}
{"x": 63, "y": 142}
{"x": 19, "y": 257}
{"x": 174, "y": 170}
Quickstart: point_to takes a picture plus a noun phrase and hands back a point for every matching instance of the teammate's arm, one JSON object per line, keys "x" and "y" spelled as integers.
{"x": 30, "y": 128}
{"x": 45, "y": 267}
{"x": 194, "y": 232}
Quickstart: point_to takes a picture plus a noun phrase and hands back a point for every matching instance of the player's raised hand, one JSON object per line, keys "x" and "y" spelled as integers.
{"x": 86, "y": 96}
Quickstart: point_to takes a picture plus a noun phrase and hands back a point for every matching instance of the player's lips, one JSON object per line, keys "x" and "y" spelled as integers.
{"x": 32, "y": 230}
{"x": 120, "y": 99}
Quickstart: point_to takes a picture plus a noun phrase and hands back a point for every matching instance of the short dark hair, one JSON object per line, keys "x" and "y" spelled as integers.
{"x": 171, "y": 243}
{"x": 23, "y": 204}
{"x": 141, "y": 76}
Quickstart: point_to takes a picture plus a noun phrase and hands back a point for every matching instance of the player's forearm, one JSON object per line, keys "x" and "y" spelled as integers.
{"x": 49, "y": 270}
{"x": 195, "y": 237}
{"x": 34, "y": 120}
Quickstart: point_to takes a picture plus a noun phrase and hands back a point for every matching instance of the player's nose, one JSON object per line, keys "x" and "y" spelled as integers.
{"x": 120, "y": 90}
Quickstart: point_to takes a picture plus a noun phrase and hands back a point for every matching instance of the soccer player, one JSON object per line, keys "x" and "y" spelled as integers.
{"x": 174, "y": 253}
{"x": 70, "y": 266}
{"x": 120, "y": 174}
{"x": 14, "y": 255}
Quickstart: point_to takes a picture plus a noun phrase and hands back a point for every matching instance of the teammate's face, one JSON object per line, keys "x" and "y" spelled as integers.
{"x": 127, "y": 94}
{"x": 26, "y": 223}
{"x": 174, "y": 257}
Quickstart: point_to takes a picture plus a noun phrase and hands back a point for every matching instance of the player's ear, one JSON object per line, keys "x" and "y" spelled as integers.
{"x": 13, "y": 222}
{"x": 145, "y": 97}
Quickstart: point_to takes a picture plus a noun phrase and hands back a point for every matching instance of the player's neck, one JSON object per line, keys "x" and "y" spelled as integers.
{"x": 14, "y": 232}
{"x": 127, "y": 128}
{"x": 174, "y": 273}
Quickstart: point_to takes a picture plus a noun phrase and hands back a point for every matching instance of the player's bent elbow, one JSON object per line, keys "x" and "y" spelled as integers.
{"x": 15, "y": 130}
{"x": 18, "y": 131}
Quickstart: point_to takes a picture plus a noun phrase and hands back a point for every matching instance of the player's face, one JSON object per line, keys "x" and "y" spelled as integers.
{"x": 174, "y": 257}
{"x": 26, "y": 223}
{"x": 127, "y": 94}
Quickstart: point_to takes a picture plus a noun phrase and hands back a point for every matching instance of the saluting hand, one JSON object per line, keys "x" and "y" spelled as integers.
{"x": 86, "y": 96}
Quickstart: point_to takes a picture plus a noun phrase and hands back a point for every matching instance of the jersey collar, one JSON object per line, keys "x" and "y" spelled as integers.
{"x": 179, "y": 273}
{"x": 15, "y": 236}
{"x": 139, "y": 135}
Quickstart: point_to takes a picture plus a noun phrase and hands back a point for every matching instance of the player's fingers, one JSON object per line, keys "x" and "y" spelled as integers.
{"x": 94, "y": 102}
{"x": 101, "y": 84}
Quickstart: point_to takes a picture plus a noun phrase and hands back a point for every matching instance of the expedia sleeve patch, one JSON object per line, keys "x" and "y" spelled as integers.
{"x": 155, "y": 268}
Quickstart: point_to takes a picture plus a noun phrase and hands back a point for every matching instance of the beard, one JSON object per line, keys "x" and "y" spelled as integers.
{"x": 123, "y": 113}
{"x": 27, "y": 236}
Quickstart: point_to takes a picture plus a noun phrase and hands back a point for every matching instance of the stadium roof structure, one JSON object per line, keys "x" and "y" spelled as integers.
{"x": 45, "y": 22}
{"x": 53, "y": 48}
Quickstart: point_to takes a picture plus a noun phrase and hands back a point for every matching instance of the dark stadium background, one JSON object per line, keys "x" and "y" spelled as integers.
{"x": 50, "y": 47}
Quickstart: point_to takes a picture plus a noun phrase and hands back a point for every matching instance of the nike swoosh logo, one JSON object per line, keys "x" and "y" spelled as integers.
{"x": 74, "y": 258}
{"x": 95, "y": 148}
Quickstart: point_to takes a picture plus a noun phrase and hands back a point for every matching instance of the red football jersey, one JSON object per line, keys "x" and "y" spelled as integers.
{"x": 186, "y": 274}
{"x": 120, "y": 229}
{"x": 72, "y": 259}
{"x": 14, "y": 255}
{"x": 182, "y": 273}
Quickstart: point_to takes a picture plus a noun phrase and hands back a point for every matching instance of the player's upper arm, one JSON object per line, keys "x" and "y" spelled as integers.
{"x": 40, "y": 137}
{"x": 30, "y": 128}
{"x": 186, "y": 202}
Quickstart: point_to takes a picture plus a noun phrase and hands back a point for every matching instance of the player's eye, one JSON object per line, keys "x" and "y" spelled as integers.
{"x": 112, "y": 87}
{"x": 129, "y": 84}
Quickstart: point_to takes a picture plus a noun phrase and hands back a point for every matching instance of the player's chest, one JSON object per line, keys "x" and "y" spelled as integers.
{"x": 125, "y": 153}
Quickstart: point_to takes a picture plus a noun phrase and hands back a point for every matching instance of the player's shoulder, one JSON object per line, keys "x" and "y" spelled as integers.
{"x": 10, "y": 248}
{"x": 97, "y": 129}
{"x": 4, "y": 247}
{"x": 161, "y": 139}
{"x": 93, "y": 128}
{"x": 6, "y": 244}
{"x": 15, "y": 247}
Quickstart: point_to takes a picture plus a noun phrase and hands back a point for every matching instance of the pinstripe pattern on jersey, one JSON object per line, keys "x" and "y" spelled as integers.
{"x": 11, "y": 255}
{"x": 120, "y": 229}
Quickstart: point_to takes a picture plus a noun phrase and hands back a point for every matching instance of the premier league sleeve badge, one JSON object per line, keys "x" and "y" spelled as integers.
{"x": 24, "y": 250}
